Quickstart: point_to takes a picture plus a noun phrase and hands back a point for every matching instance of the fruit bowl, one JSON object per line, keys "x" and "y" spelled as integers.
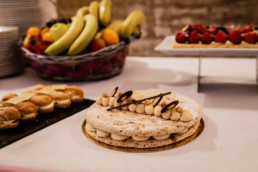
{"x": 57, "y": 51}
{"x": 101, "y": 64}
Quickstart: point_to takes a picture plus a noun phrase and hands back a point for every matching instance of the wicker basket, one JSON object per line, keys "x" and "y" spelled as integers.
{"x": 97, "y": 65}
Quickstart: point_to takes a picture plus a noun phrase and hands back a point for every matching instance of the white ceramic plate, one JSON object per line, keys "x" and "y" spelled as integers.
{"x": 166, "y": 47}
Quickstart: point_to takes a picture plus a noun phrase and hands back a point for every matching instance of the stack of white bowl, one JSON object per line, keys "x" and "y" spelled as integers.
{"x": 21, "y": 13}
{"x": 10, "y": 58}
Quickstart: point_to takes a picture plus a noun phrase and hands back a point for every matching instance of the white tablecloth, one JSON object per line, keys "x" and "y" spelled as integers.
{"x": 229, "y": 141}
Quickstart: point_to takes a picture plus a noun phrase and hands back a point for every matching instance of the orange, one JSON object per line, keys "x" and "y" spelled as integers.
{"x": 46, "y": 37}
{"x": 110, "y": 36}
{"x": 43, "y": 31}
{"x": 33, "y": 30}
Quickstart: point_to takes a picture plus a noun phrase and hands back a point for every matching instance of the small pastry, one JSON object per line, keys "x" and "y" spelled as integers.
{"x": 2, "y": 103}
{"x": 105, "y": 99}
{"x": 30, "y": 91}
{"x": 112, "y": 101}
{"x": 140, "y": 108}
{"x": 116, "y": 103}
{"x": 99, "y": 100}
{"x": 9, "y": 96}
{"x": 39, "y": 87}
{"x": 186, "y": 116}
{"x": 62, "y": 99}
{"x": 157, "y": 110}
{"x": 124, "y": 107}
{"x": 76, "y": 93}
{"x": 45, "y": 103}
{"x": 175, "y": 115}
{"x": 28, "y": 110}
{"x": 9, "y": 117}
{"x": 149, "y": 110}
{"x": 132, "y": 107}
{"x": 166, "y": 115}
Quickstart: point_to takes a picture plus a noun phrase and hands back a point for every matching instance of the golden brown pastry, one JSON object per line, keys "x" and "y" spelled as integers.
{"x": 30, "y": 91}
{"x": 39, "y": 87}
{"x": 76, "y": 93}
{"x": 9, "y": 117}
{"x": 45, "y": 103}
{"x": 2, "y": 103}
{"x": 9, "y": 96}
{"x": 62, "y": 99}
{"x": 28, "y": 110}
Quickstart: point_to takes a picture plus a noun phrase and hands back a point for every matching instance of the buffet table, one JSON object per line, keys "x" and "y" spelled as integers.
{"x": 228, "y": 142}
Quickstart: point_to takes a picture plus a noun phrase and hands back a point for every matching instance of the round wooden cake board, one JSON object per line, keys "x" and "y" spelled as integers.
{"x": 162, "y": 148}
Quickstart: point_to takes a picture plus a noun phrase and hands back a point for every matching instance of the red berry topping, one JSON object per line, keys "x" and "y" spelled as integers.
{"x": 235, "y": 36}
{"x": 213, "y": 30}
{"x": 207, "y": 38}
{"x": 180, "y": 37}
{"x": 194, "y": 37}
{"x": 251, "y": 37}
{"x": 204, "y": 29}
{"x": 248, "y": 28}
{"x": 220, "y": 37}
{"x": 240, "y": 29}
{"x": 229, "y": 29}
{"x": 188, "y": 29}
{"x": 198, "y": 27}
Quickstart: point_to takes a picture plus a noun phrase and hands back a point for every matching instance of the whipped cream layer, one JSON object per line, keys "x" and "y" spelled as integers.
{"x": 118, "y": 137}
{"x": 50, "y": 105}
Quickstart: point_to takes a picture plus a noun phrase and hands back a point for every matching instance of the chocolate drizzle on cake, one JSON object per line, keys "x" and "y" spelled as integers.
{"x": 114, "y": 92}
{"x": 170, "y": 106}
{"x": 136, "y": 101}
{"x": 124, "y": 96}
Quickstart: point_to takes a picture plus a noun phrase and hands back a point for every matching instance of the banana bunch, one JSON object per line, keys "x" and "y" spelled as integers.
{"x": 133, "y": 22}
{"x": 88, "y": 25}
{"x": 67, "y": 39}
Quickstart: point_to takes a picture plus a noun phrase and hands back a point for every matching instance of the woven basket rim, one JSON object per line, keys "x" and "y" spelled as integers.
{"x": 65, "y": 59}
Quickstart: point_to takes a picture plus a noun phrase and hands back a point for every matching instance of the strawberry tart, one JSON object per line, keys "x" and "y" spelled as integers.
{"x": 200, "y": 36}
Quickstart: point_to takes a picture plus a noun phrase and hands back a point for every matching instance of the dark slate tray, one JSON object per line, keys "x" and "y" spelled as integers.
{"x": 26, "y": 128}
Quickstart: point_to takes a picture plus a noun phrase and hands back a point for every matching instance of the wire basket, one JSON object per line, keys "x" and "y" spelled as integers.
{"x": 101, "y": 64}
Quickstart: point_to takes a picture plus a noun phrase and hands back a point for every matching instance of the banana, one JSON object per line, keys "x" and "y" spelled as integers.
{"x": 86, "y": 36}
{"x": 98, "y": 35}
{"x": 134, "y": 21}
{"x": 82, "y": 11}
{"x": 105, "y": 11}
{"x": 67, "y": 39}
{"x": 116, "y": 26}
{"x": 94, "y": 9}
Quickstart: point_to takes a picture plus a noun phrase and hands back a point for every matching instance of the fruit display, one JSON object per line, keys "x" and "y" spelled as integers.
{"x": 200, "y": 36}
{"x": 91, "y": 33}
